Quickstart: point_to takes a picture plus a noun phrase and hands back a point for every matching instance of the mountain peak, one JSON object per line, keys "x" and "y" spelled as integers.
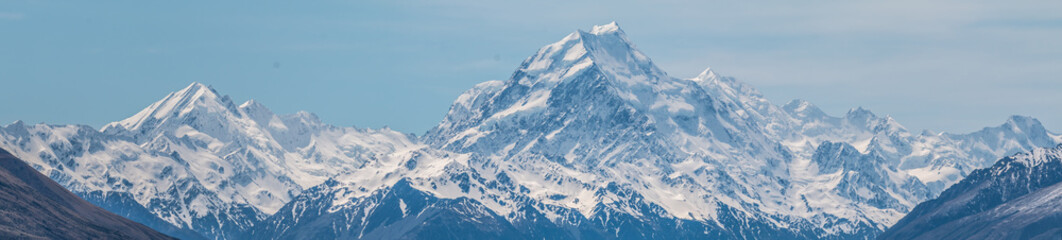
{"x": 1023, "y": 121}
{"x": 1028, "y": 126}
{"x": 859, "y": 112}
{"x": 196, "y": 90}
{"x": 255, "y": 106}
{"x": 798, "y": 105}
{"x": 610, "y": 28}
{"x": 706, "y": 75}
{"x": 1039, "y": 156}
{"x": 803, "y": 109}
{"x": 176, "y": 104}
{"x": 257, "y": 112}
{"x": 605, "y": 48}
{"x": 196, "y": 86}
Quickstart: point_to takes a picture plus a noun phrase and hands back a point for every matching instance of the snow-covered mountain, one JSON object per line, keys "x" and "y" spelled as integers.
{"x": 1018, "y": 197}
{"x": 195, "y": 164}
{"x": 587, "y": 139}
{"x": 32, "y": 206}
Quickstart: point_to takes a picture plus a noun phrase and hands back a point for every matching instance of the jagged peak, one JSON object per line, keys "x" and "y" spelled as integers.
{"x": 18, "y": 127}
{"x": 803, "y": 109}
{"x": 706, "y": 75}
{"x": 196, "y": 86}
{"x": 799, "y": 105}
{"x": 1023, "y": 122}
{"x": 837, "y": 148}
{"x": 605, "y": 48}
{"x": 723, "y": 87}
{"x": 251, "y": 104}
{"x": 306, "y": 117}
{"x": 890, "y": 123}
{"x": 1037, "y": 156}
{"x": 888, "y": 118}
{"x": 859, "y": 112}
{"x": 196, "y": 90}
{"x": 610, "y": 28}
{"x": 1017, "y": 124}
{"x": 195, "y": 96}
{"x": 257, "y": 112}
{"x": 832, "y": 156}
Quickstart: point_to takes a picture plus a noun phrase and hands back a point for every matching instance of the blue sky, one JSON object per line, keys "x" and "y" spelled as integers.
{"x": 951, "y": 66}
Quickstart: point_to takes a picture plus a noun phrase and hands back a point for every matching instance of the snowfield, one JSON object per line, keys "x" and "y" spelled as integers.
{"x": 588, "y": 138}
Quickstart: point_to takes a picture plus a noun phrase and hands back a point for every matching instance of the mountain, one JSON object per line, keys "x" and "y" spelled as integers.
{"x": 32, "y": 206}
{"x": 196, "y": 165}
{"x": 587, "y": 139}
{"x": 1018, "y": 197}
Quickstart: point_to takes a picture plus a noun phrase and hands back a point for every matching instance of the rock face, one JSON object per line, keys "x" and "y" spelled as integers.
{"x": 587, "y": 139}
{"x": 398, "y": 211}
{"x": 1019, "y": 197}
{"x": 194, "y": 164}
{"x": 32, "y": 206}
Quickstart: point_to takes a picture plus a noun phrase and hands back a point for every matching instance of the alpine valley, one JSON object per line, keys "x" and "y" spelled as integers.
{"x": 587, "y": 140}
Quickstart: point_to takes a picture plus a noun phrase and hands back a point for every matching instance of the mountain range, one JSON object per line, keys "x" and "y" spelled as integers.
{"x": 587, "y": 139}
{"x": 32, "y": 206}
{"x": 1018, "y": 197}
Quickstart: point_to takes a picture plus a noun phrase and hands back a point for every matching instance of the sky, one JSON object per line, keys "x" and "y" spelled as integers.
{"x": 953, "y": 66}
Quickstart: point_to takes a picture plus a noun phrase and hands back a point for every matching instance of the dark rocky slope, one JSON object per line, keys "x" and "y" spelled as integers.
{"x": 1020, "y": 197}
{"x": 32, "y": 206}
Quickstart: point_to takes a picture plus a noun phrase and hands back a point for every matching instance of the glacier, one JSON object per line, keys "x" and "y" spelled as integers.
{"x": 587, "y": 139}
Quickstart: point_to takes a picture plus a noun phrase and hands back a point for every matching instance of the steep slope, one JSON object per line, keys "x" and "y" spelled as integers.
{"x": 936, "y": 159}
{"x": 35, "y": 207}
{"x": 196, "y": 165}
{"x": 1019, "y": 197}
{"x": 598, "y": 111}
{"x": 152, "y": 188}
{"x": 593, "y": 106}
{"x": 246, "y": 152}
{"x": 399, "y": 211}
{"x": 589, "y": 138}
{"x": 419, "y": 186}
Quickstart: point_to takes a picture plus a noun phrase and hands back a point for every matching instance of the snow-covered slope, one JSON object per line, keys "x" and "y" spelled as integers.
{"x": 196, "y": 161}
{"x": 598, "y": 109}
{"x": 1019, "y": 197}
{"x": 587, "y": 139}
{"x": 590, "y": 136}
{"x": 594, "y": 107}
{"x": 32, "y": 206}
{"x": 247, "y": 153}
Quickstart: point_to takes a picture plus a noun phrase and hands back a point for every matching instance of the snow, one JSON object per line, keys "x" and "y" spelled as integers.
{"x": 609, "y": 28}
{"x": 929, "y": 174}
{"x": 537, "y": 101}
{"x": 673, "y": 105}
{"x": 686, "y": 145}
{"x": 243, "y": 155}
{"x": 578, "y": 68}
{"x": 574, "y": 53}
{"x": 1039, "y": 156}
{"x": 741, "y": 144}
